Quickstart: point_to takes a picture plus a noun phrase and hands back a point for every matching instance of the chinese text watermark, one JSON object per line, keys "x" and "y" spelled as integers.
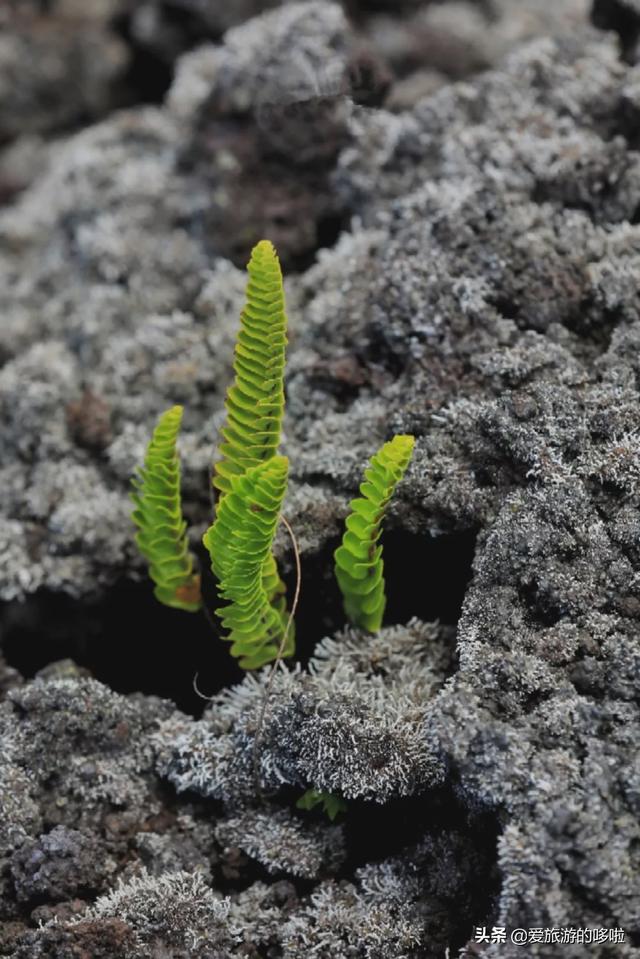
{"x": 563, "y": 935}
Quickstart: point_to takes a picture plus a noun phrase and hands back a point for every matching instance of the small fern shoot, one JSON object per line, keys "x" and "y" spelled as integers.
{"x": 255, "y": 401}
{"x": 161, "y": 535}
{"x": 359, "y": 565}
{"x": 239, "y": 544}
{"x": 332, "y": 805}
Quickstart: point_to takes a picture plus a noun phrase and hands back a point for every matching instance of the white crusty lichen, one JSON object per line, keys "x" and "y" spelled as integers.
{"x": 340, "y": 919}
{"x": 19, "y": 813}
{"x": 286, "y": 56}
{"x": 177, "y": 909}
{"x": 99, "y": 737}
{"x": 351, "y": 725}
{"x": 379, "y": 914}
{"x": 283, "y": 842}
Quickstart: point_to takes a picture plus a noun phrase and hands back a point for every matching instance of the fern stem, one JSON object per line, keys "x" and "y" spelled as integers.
{"x": 278, "y": 659}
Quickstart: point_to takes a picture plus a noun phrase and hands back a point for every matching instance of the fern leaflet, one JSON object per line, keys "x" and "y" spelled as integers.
{"x": 358, "y": 561}
{"x": 161, "y": 535}
{"x": 239, "y": 544}
{"x": 332, "y": 805}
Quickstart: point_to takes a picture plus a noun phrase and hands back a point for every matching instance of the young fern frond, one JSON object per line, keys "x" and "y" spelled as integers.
{"x": 239, "y": 544}
{"x": 332, "y": 805}
{"x": 250, "y": 479}
{"x": 161, "y": 535}
{"x": 358, "y": 561}
{"x": 255, "y": 401}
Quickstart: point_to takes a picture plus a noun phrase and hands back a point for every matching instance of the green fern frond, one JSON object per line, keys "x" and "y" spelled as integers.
{"x": 239, "y": 544}
{"x": 332, "y": 805}
{"x": 255, "y": 401}
{"x": 358, "y": 561}
{"x": 161, "y": 535}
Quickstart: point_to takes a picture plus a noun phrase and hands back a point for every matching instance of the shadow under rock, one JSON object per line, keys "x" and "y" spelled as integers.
{"x": 426, "y": 576}
{"x": 453, "y": 853}
{"x": 132, "y": 643}
{"x": 127, "y": 640}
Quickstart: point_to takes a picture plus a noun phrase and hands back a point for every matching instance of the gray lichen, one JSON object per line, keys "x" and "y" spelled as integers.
{"x": 73, "y": 752}
{"x": 177, "y": 909}
{"x": 349, "y": 726}
{"x": 58, "y": 865}
{"x": 483, "y": 297}
{"x": 348, "y": 921}
{"x": 283, "y": 843}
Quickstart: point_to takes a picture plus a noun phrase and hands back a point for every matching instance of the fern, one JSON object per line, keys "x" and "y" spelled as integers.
{"x": 332, "y": 805}
{"x": 255, "y": 401}
{"x": 358, "y": 561}
{"x": 239, "y": 544}
{"x": 161, "y": 535}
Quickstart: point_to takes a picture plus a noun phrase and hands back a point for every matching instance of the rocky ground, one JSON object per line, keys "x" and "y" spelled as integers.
{"x": 454, "y": 189}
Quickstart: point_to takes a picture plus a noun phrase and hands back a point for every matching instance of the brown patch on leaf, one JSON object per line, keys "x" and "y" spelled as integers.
{"x": 190, "y": 592}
